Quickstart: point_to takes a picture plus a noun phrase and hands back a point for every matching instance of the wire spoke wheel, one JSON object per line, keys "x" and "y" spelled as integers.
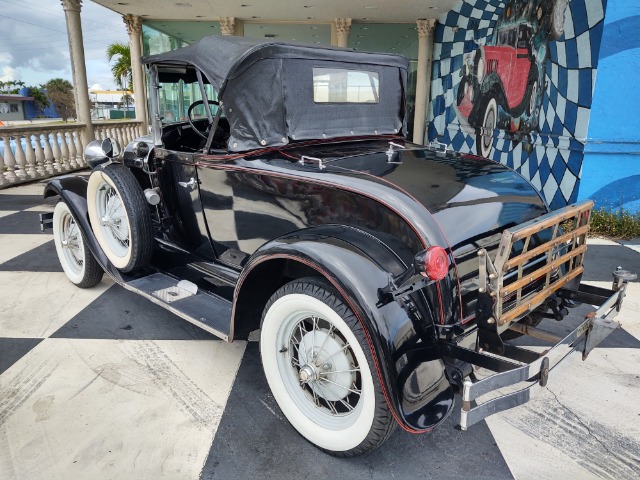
{"x": 113, "y": 219}
{"x": 76, "y": 259}
{"x": 318, "y": 366}
{"x": 324, "y": 364}
{"x": 72, "y": 243}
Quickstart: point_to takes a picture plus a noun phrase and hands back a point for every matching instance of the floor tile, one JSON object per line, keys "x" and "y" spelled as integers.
{"x": 13, "y": 349}
{"x": 37, "y": 304}
{"x": 13, "y": 245}
{"x": 106, "y": 409}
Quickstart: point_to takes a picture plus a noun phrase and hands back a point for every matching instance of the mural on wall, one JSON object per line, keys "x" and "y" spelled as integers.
{"x": 513, "y": 81}
{"x": 501, "y": 84}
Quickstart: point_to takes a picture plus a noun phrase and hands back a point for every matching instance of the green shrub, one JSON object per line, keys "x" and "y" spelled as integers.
{"x": 620, "y": 224}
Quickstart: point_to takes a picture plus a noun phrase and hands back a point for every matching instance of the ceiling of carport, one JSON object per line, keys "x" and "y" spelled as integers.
{"x": 376, "y": 11}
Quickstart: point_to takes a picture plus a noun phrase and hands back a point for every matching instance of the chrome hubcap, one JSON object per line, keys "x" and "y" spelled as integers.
{"x": 71, "y": 243}
{"x": 113, "y": 219}
{"x": 325, "y": 366}
{"x": 308, "y": 373}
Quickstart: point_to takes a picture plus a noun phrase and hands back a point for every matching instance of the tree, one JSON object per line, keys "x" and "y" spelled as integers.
{"x": 126, "y": 100}
{"x": 60, "y": 92}
{"x": 11, "y": 87}
{"x": 39, "y": 97}
{"x": 121, "y": 68}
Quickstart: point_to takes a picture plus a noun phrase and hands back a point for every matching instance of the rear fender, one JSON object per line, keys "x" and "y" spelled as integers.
{"x": 400, "y": 335}
{"x": 73, "y": 191}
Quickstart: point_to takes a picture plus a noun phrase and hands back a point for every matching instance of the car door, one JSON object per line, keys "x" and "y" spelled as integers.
{"x": 184, "y": 219}
{"x": 245, "y": 208}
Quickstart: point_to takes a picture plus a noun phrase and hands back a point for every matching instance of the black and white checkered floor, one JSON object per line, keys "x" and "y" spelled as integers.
{"x": 103, "y": 384}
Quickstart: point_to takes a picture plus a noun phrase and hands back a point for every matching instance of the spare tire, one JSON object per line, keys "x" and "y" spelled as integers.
{"x": 120, "y": 217}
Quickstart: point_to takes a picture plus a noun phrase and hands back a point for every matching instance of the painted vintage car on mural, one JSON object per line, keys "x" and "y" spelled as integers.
{"x": 378, "y": 272}
{"x": 502, "y": 83}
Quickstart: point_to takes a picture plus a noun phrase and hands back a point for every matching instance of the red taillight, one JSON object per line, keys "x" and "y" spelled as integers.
{"x": 433, "y": 263}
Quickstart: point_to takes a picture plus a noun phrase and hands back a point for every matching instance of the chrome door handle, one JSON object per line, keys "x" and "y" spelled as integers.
{"x": 191, "y": 184}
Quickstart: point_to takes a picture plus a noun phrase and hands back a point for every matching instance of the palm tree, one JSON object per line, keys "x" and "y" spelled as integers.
{"x": 121, "y": 69}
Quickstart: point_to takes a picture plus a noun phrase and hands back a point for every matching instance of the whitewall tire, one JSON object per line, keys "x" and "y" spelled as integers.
{"x": 120, "y": 218}
{"x": 76, "y": 259}
{"x": 319, "y": 368}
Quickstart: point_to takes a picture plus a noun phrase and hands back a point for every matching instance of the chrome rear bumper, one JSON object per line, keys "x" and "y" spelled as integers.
{"x": 595, "y": 328}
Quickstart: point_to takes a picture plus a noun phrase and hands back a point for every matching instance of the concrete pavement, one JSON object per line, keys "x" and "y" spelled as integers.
{"x": 103, "y": 384}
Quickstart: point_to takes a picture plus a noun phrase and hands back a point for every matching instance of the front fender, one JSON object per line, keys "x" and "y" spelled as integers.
{"x": 73, "y": 190}
{"x": 401, "y": 336}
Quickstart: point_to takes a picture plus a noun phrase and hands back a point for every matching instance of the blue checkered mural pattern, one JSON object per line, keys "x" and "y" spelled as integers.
{"x": 538, "y": 127}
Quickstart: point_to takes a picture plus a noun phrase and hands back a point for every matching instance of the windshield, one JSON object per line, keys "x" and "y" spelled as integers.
{"x": 507, "y": 37}
{"x": 175, "y": 99}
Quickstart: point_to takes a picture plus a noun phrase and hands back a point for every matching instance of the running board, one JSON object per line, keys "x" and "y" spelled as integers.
{"x": 181, "y": 297}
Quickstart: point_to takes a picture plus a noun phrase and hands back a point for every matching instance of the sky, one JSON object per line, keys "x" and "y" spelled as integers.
{"x": 34, "y": 46}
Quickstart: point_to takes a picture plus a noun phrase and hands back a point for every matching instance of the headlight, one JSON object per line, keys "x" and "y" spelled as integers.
{"x": 140, "y": 149}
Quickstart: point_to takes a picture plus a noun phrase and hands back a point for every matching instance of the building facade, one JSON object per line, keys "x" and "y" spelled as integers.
{"x": 611, "y": 166}
{"x": 12, "y": 107}
{"x": 513, "y": 80}
{"x": 111, "y": 104}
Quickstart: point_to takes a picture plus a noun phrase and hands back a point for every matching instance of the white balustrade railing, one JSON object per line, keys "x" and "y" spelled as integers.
{"x": 31, "y": 152}
{"x": 123, "y": 132}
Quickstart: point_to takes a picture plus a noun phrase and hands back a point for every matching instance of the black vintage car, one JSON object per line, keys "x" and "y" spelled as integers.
{"x": 379, "y": 272}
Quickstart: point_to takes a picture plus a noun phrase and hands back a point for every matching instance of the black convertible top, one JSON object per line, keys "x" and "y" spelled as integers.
{"x": 223, "y": 57}
{"x": 267, "y": 88}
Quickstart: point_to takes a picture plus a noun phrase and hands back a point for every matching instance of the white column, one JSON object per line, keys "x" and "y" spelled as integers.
{"x": 78, "y": 69}
{"x": 423, "y": 79}
{"x": 343, "y": 27}
{"x": 228, "y": 25}
{"x": 134, "y": 28}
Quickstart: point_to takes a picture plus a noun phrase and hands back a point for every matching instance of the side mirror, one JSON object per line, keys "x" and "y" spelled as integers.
{"x": 101, "y": 151}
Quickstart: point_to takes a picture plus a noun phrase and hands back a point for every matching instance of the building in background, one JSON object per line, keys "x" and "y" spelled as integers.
{"x": 512, "y": 80}
{"x": 111, "y": 104}
{"x": 12, "y": 107}
{"x": 21, "y": 106}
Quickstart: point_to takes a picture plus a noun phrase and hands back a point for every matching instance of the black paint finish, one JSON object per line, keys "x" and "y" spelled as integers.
{"x": 415, "y": 381}
{"x": 419, "y": 198}
{"x": 351, "y": 213}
